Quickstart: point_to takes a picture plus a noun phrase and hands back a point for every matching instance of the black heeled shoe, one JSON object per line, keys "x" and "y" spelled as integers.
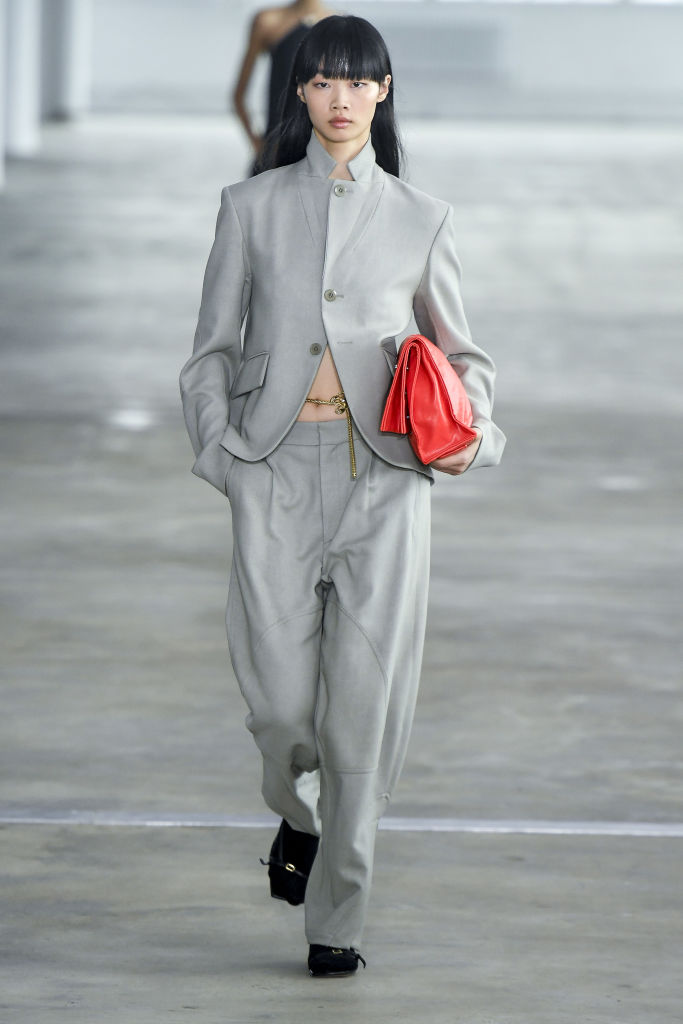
{"x": 332, "y": 962}
{"x": 290, "y": 862}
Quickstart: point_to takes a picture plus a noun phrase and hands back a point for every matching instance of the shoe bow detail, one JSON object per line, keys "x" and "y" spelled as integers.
{"x": 333, "y": 961}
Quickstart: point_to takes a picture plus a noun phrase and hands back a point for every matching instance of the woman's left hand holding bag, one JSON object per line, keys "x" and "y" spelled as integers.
{"x": 458, "y": 462}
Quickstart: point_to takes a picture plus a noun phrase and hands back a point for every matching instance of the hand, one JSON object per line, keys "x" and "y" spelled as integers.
{"x": 458, "y": 462}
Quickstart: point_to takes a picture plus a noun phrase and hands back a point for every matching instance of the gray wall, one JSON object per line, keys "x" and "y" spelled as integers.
{"x": 451, "y": 59}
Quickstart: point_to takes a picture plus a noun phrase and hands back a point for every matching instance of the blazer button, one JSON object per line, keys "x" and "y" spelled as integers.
{"x": 339, "y": 190}
{"x": 329, "y": 295}
{"x": 315, "y": 349}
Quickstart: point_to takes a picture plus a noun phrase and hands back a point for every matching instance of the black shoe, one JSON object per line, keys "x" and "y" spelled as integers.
{"x": 332, "y": 962}
{"x": 290, "y": 862}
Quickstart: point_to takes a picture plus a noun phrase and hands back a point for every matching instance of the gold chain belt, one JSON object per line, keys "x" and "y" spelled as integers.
{"x": 340, "y": 407}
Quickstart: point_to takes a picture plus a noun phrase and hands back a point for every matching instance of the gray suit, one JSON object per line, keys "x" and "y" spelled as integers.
{"x": 328, "y": 587}
{"x": 387, "y": 251}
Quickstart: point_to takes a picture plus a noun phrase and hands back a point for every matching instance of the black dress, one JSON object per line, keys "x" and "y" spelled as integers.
{"x": 281, "y": 60}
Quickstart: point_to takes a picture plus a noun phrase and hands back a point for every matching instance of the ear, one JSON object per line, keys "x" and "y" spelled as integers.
{"x": 300, "y": 92}
{"x": 384, "y": 88}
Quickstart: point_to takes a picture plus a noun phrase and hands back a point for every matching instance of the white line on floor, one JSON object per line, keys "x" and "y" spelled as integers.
{"x": 661, "y": 830}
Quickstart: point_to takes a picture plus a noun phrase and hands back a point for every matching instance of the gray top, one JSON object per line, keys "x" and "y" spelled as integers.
{"x": 313, "y": 260}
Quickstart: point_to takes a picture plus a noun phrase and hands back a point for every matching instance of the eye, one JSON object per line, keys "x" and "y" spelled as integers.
{"x": 358, "y": 85}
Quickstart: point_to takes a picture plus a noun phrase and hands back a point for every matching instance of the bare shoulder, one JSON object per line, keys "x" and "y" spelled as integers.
{"x": 270, "y": 24}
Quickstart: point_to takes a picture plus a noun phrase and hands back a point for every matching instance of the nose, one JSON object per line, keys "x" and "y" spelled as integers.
{"x": 340, "y": 95}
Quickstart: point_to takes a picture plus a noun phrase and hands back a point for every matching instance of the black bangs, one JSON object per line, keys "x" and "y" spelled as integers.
{"x": 342, "y": 47}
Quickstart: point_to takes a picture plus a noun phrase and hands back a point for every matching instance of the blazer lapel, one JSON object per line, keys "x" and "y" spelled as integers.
{"x": 310, "y": 200}
{"x": 366, "y": 216}
{"x": 352, "y": 218}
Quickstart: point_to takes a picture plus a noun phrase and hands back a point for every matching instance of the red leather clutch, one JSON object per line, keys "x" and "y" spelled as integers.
{"x": 428, "y": 402}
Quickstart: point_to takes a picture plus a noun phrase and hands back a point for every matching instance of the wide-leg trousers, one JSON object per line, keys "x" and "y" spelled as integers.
{"x": 326, "y": 619}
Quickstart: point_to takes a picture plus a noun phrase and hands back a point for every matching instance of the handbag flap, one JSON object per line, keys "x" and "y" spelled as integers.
{"x": 440, "y": 390}
{"x": 394, "y": 418}
{"x": 438, "y": 407}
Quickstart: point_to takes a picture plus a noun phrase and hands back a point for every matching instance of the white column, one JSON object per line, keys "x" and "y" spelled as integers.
{"x": 22, "y": 79}
{"x": 3, "y": 46}
{"x": 67, "y": 47}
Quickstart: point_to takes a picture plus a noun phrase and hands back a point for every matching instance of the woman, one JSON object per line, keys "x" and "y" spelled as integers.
{"x": 277, "y": 31}
{"x": 327, "y": 255}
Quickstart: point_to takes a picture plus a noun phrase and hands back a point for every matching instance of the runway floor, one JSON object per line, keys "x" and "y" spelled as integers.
{"x": 531, "y": 867}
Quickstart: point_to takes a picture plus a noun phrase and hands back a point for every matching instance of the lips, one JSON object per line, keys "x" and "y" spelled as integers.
{"x": 340, "y": 122}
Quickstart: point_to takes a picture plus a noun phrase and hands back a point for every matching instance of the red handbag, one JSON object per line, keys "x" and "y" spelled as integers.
{"x": 428, "y": 402}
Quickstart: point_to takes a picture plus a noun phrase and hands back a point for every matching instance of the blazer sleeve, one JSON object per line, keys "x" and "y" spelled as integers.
{"x": 440, "y": 316}
{"x": 207, "y": 377}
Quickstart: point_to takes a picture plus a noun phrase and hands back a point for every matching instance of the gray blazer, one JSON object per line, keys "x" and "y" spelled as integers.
{"x": 308, "y": 261}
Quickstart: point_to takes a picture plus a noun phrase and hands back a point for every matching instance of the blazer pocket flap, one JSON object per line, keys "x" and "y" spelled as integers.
{"x": 251, "y": 374}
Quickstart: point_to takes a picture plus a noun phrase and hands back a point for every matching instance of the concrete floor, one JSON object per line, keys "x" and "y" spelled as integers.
{"x": 552, "y": 678}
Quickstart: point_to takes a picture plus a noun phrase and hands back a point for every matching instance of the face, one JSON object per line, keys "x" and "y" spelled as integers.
{"x": 341, "y": 110}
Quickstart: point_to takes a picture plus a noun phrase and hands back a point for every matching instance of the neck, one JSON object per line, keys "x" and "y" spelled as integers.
{"x": 343, "y": 152}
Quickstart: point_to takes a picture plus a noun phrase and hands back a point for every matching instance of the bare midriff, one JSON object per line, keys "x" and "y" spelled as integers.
{"x": 326, "y": 385}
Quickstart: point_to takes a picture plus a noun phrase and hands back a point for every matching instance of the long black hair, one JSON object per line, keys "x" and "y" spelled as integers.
{"x": 340, "y": 46}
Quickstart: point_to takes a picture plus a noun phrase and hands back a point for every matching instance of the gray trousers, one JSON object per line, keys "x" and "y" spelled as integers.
{"x": 326, "y": 619}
